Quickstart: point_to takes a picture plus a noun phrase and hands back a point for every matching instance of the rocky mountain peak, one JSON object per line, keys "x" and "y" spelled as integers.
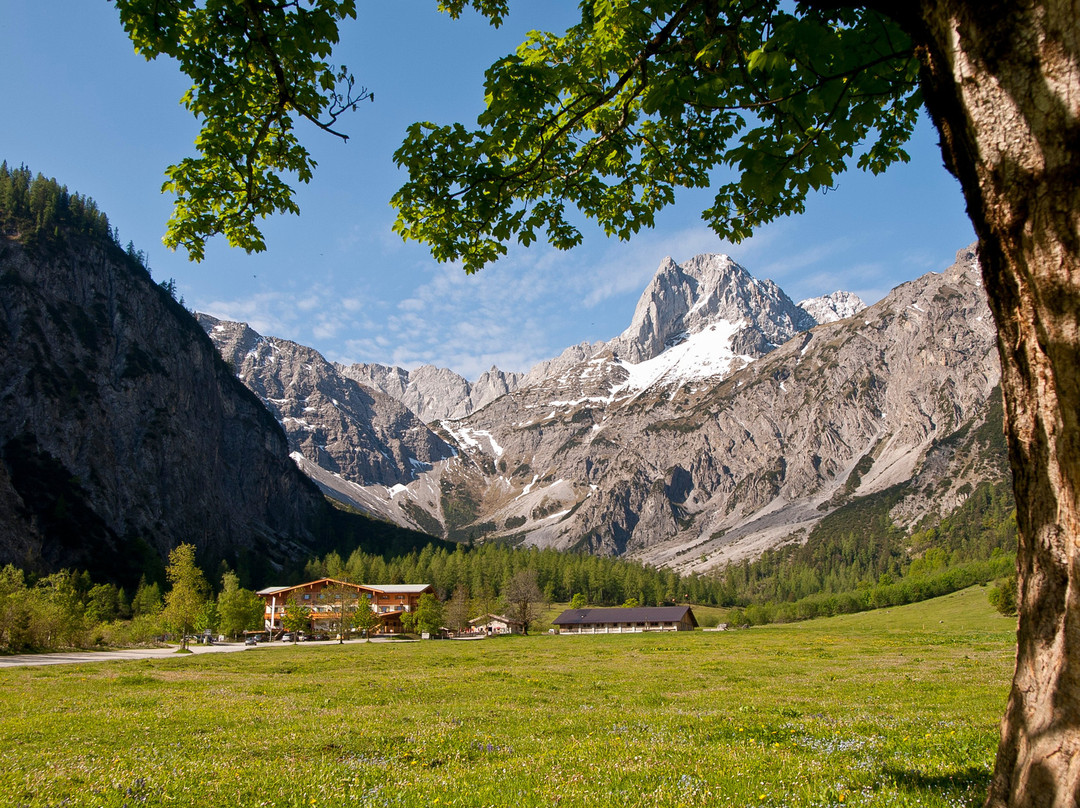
{"x": 702, "y": 293}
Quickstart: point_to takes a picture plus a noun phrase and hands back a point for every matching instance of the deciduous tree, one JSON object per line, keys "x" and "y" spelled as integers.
{"x": 524, "y": 599}
{"x": 429, "y": 614}
{"x": 364, "y": 619}
{"x": 190, "y": 591}
{"x": 259, "y": 67}
{"x": 240, "y": 609}
{"x": 102, "y": 604}
{"x": 457, "y": 609}
{"x": 763, "y": 102}
{"x": 297, "y": 617}
{"x": 343, "y": 599}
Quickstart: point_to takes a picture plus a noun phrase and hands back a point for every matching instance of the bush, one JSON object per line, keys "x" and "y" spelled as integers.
{"x": 145, "y": 629}
{"x": 1002, "y": 596}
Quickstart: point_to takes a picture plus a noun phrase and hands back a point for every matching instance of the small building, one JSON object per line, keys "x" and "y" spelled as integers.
{"x": 496, "y": 624}
{"x": 388, "y": 601}
{"x": 626, "y": 620}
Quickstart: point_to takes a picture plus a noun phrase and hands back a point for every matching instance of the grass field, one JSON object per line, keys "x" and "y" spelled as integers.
{"x": 888, "y": 708}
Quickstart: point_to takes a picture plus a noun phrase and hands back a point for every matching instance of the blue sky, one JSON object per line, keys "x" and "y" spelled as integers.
{"x": 82, "y": 107}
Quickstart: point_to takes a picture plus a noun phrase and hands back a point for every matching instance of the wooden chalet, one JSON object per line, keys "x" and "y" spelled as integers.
{"x": 626, "y": 620}
{"x": 388, "y": 601}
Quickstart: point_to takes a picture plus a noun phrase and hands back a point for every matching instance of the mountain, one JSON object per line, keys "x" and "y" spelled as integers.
{"x": 725, "y": 420}
{"x": 122, "y": 431}
{"x": 434, "y": 393}
{"x": 709, "y": 293}
{"x": 712, "y": 448}
{"x": 332, "y": 420}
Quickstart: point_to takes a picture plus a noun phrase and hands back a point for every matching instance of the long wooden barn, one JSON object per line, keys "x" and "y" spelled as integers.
{"x": 626, "y": 620}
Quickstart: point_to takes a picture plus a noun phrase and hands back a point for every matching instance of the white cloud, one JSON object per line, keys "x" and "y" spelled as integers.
{"x": 263, "y": 311}
{"x": 627, "y": 267}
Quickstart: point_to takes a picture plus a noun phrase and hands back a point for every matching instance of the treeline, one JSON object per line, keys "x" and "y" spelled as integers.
{"x": 911, "y": 589}
{"x": 857, "y": 559}
{"x": 854, "y": 559}
{"x": 68, "y": 610}
{"x": 36, "y": 209}
{"x": 487, "y": 569}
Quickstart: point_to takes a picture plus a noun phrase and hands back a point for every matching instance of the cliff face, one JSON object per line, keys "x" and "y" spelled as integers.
{"x": 433, "y": 393}
{"x": 123, "y": 433}
{"x": 335, "y": 422}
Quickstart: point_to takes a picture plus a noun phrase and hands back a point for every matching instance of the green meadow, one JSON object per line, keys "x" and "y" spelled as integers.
{"x": 897, "y": 707}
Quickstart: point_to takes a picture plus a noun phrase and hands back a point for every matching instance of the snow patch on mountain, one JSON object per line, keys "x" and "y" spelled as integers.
{"x": 702, "y": 355}
{"x": 473, "y": 438}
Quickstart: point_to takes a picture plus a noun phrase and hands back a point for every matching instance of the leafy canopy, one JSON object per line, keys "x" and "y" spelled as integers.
{"x": 642, "y": 97}
{"x": 762, "y": 100}
{"x": 258, "y": 67}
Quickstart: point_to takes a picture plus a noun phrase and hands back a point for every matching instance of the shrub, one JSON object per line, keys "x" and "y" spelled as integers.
{"x": 1002, "y": 595}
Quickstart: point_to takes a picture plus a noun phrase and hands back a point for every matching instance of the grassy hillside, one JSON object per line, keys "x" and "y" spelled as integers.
{"x": 896, "y": 707}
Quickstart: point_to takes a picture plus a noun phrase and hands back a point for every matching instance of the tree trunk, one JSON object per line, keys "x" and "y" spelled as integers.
{"x": 1002, "y": 82}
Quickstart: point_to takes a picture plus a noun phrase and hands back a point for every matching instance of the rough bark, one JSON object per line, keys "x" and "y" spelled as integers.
{"x": 1002, "y": 81}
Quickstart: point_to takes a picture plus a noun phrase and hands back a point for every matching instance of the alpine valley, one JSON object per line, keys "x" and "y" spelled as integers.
{"x": 726, "y": 420}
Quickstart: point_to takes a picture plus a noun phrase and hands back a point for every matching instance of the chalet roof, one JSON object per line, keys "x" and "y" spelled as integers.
{"x": 637, "y": 614}
{"x": 273, "y": 590}
{"x": 386, "y": 589}
{"x": 399, "y": 589}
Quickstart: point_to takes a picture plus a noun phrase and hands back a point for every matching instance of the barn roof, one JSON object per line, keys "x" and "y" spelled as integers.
{"x": 637, "y": 614}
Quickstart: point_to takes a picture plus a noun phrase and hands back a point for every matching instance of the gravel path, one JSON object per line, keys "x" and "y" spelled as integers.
{"x": 75, "y": 657}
